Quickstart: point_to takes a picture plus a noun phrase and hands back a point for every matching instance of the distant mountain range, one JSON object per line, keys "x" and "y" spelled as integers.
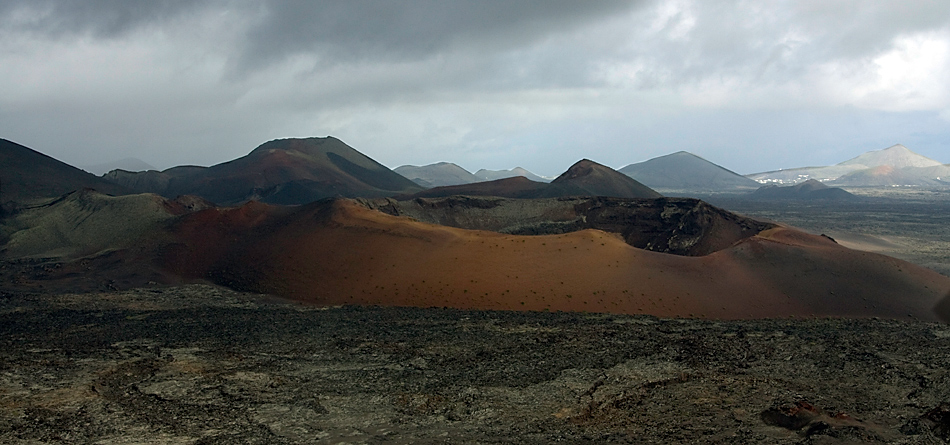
{"x": 298, "y": 171}
{"x": 437, "y": 175}
{"x": 491, "y": 175}
{"x": 684, "y": 171}
{"x": 442, "y": 174}
{"x": 127, "y": 164}
{"x": 893, "y": 166}
{"x": 584, "y": 178}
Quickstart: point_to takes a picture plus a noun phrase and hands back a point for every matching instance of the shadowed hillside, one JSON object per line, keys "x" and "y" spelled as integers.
{"x": 283, "y": 171}
{"x": 26, "y": 175}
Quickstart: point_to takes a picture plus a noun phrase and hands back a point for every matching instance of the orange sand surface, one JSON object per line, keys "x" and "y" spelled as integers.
{"x": 342, "y": 253}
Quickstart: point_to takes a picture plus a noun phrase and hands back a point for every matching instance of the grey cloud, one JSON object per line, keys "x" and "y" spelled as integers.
{"x": 352, "y": 30}
{"x": 98, "y": 18}
{"x": 770, "y": 43}
{"x": 381, "y": 30}
{"x": 857, "y": 28}
{"x": 484, "y": 69}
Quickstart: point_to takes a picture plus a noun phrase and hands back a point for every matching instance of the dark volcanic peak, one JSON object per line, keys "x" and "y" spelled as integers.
{"x": 687, "y": 172}
{"x": 589, "y": 178}
{"x": 282, "y": 171}
{"x": 810, "y": 190}
{"x": 26, "y": 174}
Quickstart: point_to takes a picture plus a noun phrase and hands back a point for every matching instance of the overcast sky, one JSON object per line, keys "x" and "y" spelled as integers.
{"x": 751, "y": 85}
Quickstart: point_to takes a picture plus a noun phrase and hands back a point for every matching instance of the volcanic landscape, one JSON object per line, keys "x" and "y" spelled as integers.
{"x": 307, "y": 293}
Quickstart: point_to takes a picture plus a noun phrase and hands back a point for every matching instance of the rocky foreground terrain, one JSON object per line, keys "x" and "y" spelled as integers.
{"x": 202, "y": 364}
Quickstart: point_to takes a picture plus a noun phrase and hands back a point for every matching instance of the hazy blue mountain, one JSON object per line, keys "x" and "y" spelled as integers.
{"x": 127, "y": 164}
{"x": 684, "y": 171}
{"x": 491, "y": 175}
{"x": 437, "y": 175}
{"x": 895, "y": 165}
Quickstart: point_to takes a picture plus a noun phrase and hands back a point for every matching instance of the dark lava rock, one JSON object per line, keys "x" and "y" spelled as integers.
{"x": 202, "y": 364}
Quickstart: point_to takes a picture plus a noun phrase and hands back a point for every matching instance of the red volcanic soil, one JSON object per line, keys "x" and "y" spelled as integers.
{"x": 337, "y": 252}
{"x": 293, "y": 171}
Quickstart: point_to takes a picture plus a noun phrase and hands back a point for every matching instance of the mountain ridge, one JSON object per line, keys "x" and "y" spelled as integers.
{"x": 907, "y": 168}
{"x": 685, "y": 171}
{"x": 280, "y": 171}
{"x": 583, "y": 178}
{"x": 27, "y": 175}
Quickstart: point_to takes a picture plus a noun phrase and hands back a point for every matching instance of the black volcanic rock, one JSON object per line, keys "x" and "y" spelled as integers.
{"x": 688, "y": 172}
{"x": 26, "y": 174}
{"x": 183, "y": 362}
{"x": 680, "y": 226}
{"x": 810, "y": 190}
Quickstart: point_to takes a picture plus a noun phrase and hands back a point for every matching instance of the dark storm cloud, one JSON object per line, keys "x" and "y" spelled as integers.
{"x": 335, "y": 31}
{"x": 99, "y": 18}
{"x": 489, "y": 83}
{"x": 387, "y": 30}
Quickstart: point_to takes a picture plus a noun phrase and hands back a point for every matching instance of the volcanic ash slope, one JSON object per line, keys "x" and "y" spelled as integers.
{"x": 339, "y": 252}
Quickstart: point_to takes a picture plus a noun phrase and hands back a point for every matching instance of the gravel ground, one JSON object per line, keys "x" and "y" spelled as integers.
{"x": 202, "y": 364}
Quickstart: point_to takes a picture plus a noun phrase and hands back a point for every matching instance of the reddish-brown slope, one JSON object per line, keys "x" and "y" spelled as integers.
{"x": 293, "y": 171}
{"x": 340, "y": 253}
{"x": 588, "y": 178}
